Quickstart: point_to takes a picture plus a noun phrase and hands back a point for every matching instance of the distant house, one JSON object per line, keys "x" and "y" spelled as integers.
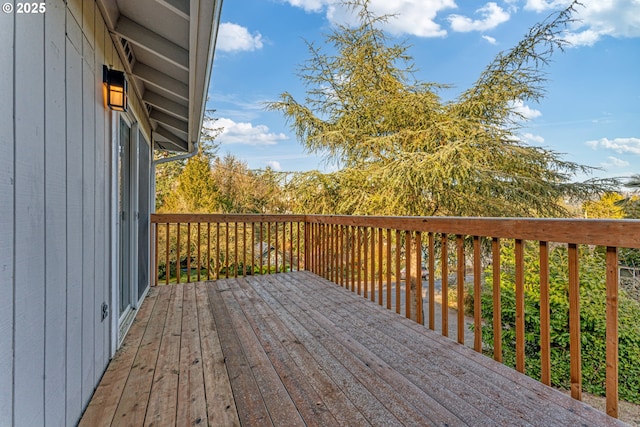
{"x": 76, "y": 181}
{"x": 268, "y": 255}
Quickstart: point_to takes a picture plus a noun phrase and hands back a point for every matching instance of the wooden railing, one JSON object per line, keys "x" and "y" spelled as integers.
{"x": 368, "y": 255}
{"x": 214, "y": 246}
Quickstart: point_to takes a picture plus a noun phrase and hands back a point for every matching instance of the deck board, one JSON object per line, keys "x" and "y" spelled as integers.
{"x": 331, "y": 395}
{"x": 309, "y": 402}
{"x": 294, "y": 349}
{"x": 132, "y": 407}
{"x": 162, "y": 400}
{"x": 249, "y": 403}
{"x": 107, "y": 395}
{"x": 271, "y": 388}
{"x": 383, "y": 400}
{"x": 192, "y": 405}
{"x": 221, "y": 406}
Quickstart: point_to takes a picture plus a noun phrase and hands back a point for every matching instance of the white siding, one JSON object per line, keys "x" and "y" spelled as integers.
{"x": 55, "y": 217}
{"x": 55, "y": 213}
{"x": 7, "y": 174}
{"x": 89, "y": 315}
{"x": 74, "y": 228}
{"x": 102, "y": 294}
{"x": 29, "y": 219}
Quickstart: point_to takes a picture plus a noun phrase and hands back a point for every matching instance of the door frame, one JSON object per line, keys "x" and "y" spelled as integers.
{"x": 117, "y": 332}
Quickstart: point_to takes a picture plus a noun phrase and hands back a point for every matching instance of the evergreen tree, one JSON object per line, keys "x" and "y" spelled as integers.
{"x": 180, "y": 183}
{"x": 402, "y": 150}
{"x": 196, "y": 191}
{"x": 241, "y": 190}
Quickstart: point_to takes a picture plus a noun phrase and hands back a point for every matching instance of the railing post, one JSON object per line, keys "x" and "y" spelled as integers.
{"x": 276, "y": 249}
{"x": 155, "y": 267}
{"x": 199, "y": 251}
{"x": 253, "y": 247}
{"x": 545, "y": 321}
{"x": 178, "y": 263}
{"x": 389, "y": 269}
{"x": 444, "y": 261}
{"x": 407, "y": 274}
{"x": 477, "y": 302}
{"x": 373, "y": 264}
{"x": 307, "y": 245}
{"x": 244, "y": 249}
{"x": 398, "y": 238}
{"x": 167, "y": 261}
{"x": 497, "y": 304}
{"x": 612, "y": 332}
{"x": 208, "y": 251}
{"x": 574, "y": 324}
{"x": 460, "y": 287}
{"x": 419, "y": 317}
{"x": 226, "y": 249}
{"x": 235, "y": 249}
{"x": 519, "y": 305}
{"x": 432, "y": 282}
{"x": 359, "y": 239}
{"x": 218, "y": 251}
{"x": 188, "y": 252}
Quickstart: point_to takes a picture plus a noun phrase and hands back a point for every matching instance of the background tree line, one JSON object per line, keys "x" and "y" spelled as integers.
{"x": 208, "y": 183}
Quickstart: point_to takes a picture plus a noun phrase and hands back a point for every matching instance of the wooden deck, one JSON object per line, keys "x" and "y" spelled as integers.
{"x": 294, "y": 349}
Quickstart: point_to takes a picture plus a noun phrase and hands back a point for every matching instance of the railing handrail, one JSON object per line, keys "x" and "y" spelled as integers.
{"x": 172, "y": 218}
{"x": 622, "y": 233}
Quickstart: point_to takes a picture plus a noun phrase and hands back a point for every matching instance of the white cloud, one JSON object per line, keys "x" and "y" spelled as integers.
{"x": 412, "y": 17}
{"x": 545, "y": 5}
{"x": 596, "y": 19}
{"x": 615, "y": 163}
{"x": 585, "y": 38}
{"x": 275, "y": 165}
{"x": 247, "y": 133}
{"x": 234, "y": 38}
{"x": 491, "y": 15}
{"x": 619, "y": 145}
{"x": 525, "y": 111}
{"x": 309, "y": 5}
{"x": 529, "y": 137}
{"x": 490, "y": 39}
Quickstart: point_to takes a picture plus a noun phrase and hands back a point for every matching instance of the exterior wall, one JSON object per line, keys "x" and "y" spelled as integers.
{"x": 56, "y": 212}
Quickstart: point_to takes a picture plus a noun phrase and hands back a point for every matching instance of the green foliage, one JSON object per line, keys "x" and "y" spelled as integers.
{"x": 166, "y": 177}
{"x": 592, "y": 319}
{"x": 314, "y": 193}
{"x": 196, "y": 191}
{"x": 608, "y": 206}
{"x": 629, "y": 257}
{"x": 173, "y": 192}
{"x": 403, "y": 151}
{"x": 209, "y": 184}
{"x": 244, "y": 191}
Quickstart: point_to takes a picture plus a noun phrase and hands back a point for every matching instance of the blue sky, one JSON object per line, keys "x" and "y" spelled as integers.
{"x": 591, "y": 110}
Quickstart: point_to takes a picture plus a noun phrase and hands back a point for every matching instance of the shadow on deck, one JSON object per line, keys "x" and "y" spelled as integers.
{"x": 295, "y": 349}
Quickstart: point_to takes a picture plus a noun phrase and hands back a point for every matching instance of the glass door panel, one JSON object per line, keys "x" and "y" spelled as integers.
{"x": 124, "y": 209}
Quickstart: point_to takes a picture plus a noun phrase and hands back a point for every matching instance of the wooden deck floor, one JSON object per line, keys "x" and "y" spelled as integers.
{"x": 293, "y": 349}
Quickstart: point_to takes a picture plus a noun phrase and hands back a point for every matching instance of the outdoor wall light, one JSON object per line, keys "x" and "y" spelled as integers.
{"x": 116, "y": 85}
